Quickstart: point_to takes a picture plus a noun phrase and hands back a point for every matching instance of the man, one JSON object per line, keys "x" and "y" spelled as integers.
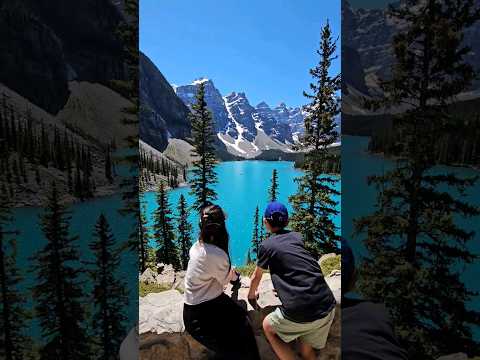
{"x": 308, "y": 305}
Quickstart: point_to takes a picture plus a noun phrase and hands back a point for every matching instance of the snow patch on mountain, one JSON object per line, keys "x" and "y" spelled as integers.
{"x": 200, "y": 81}
{"x": 247, "y": 130}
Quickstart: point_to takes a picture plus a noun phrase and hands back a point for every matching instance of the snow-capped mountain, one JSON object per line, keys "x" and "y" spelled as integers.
{"x": 213, "y": 97}
{"x": 244, "y": 129}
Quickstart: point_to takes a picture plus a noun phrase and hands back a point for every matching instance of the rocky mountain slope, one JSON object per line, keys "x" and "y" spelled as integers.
{"x": 62, "y": 65}
{"x": 244, "y": 129}
{"x": 57, "y": 42}
{"x": 82, "y": 126}
{"x": 367, "y": 36}
{"x": 162, "y": 115}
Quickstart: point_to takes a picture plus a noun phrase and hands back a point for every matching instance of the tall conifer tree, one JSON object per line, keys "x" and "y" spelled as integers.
{"x": 167, "y": 251}
{"x": 108, "y": 165}
{"x": 273, "y": 190}
{"x": 262, "y": 235}
{"x": 109, "y": 293}
{"x": 413, "y": 240}
{"x": 256, "y": 241}
{"x": 184, "y": 232}
{"x": 58, "y": 290}
{"x": 203, "y": 169}
{"x": 12, "y": 306}
{"x": 144, "y": 239}
{"x": 128, "y": 32}
{"x": 314, "y": 204}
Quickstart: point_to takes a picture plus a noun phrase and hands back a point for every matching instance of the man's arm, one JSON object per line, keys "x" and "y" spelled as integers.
{"x": 255, "y": 279}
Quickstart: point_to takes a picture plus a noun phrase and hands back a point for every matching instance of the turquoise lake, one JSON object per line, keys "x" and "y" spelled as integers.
{"x": 241, "y": 187}
{"x": 83, "y": 218}
{"x": 358, "y": 199}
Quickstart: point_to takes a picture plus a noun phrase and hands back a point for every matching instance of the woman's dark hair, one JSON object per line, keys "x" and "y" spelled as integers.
{"x": 212, "y": 227}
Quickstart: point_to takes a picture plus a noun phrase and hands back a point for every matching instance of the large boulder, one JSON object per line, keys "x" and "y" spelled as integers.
{"x": 162, "y": 333}
{"x": 166, "y": 275}
{"x": 148, "y": 277}
{"x": 179, "y": 283}
{"x": 161, "y": 313}
{"x": 334, "y": 281}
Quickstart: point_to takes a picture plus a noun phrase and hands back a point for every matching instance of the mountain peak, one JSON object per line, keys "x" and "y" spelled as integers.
{"x": 236, "y": 95}
{"x": 263, "y": 105}
{"x": 200, "y": 81}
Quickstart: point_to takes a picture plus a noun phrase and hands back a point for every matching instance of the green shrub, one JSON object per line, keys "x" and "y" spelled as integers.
{"x": 145, "y": 289}
{"x": 330, "y": 264}
{"x": 246, "y": 270}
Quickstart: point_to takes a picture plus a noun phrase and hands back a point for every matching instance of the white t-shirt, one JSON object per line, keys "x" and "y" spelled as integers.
{"x": 207, "y": 273}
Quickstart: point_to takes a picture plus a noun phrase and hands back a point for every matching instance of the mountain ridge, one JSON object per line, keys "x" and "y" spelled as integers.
{"x": 246, "y": 130}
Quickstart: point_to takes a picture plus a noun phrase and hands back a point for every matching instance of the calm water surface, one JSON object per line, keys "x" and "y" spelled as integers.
{"x": 241, "y": 187}
{"x": 358, "y": 199}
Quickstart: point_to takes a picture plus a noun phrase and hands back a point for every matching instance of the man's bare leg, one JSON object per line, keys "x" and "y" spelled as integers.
{"x": 281, "y": 348}
{"x": 307, "y": 351}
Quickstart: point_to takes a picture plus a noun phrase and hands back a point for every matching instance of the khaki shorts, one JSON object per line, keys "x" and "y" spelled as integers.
{"x": 314, "y": 333}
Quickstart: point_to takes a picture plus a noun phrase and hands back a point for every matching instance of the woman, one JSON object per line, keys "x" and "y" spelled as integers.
{"x": 210, "y": 316}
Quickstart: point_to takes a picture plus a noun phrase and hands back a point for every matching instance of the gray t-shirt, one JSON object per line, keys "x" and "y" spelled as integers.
{"x": 207, "y": 273}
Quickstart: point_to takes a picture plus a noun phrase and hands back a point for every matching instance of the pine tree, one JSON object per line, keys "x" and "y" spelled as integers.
{"x": 256, "y": 241}
{"x": 144, "y": 237}
{"x": 262, "y": 235}
{"x": 167, "y": 251}
{"x": 413, "y": 241}
{"x": 108, "y": 166}
{"x": 249, "y": 258}
{"x": 128, "y": 33}
{"x": 13, "y": 316}
{"x": 109, "y": 293}
{"x": 58, "y": 289}
{"x": 78, "y": 186}
{"x": 314, "y": 204}
{"x": 44, "y": 147}
{"x": 203, "y": 169}
{"x": 273, "y": 190}
{"x": 184, "y": 232}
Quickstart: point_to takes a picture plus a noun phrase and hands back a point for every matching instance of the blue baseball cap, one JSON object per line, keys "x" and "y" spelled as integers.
{"x": 276, "y": 211}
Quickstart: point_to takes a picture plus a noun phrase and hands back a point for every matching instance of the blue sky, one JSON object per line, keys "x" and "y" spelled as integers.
{"x": 263, "y": 48}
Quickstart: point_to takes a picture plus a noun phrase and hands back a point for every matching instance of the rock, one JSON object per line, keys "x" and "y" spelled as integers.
{"x": 45, "y": 44}
{"x": 162, "y": 333}
{"x": 167, "y": 115}
{"x": 179, "y": 283}
{"x": 172, "y": 347}
{"x": 160, "y": 267}
{"x": 148, "y": 277}
{"x": 336, "y": 272}
{"x": 244, "y": 282}
{"x": 334, "y": 281}
{"x": 457, "y": 356}
{"x": 161, "y": 313}
{"x": 166, "y": 276}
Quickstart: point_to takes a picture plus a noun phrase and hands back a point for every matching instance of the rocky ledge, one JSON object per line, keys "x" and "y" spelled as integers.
{"x": 161, "y": 329}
